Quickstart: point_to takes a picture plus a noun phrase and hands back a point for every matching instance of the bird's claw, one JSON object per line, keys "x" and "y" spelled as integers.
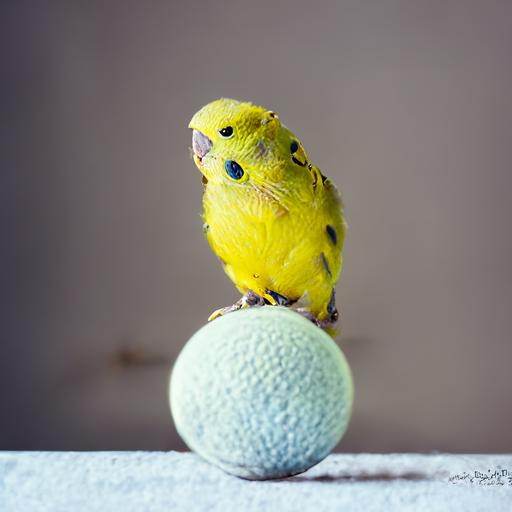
{"x": 249, "y": 300}
{"x": 221, "y": 312}
{"x": 327, "y": 324}
{"x": 252, "y": 299}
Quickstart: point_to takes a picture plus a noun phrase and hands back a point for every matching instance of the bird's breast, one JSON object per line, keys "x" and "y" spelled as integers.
{"x": 240, "y": 223}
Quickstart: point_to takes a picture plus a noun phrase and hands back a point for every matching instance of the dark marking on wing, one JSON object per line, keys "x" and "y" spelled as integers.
{"x": 326, "y": 264}
{"x": 332, "y": 233}
{"x": 331, "y": 307}
{"x": 298, "y": 162}
{"x": 294, "y": 150}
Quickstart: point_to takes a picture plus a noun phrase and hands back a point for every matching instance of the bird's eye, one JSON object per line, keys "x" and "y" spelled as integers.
{"x": 294, "y": 147}
{"x": 226, "y": 132}
{"x": 233, "y": 169}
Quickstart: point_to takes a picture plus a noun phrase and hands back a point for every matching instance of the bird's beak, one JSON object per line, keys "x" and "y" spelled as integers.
{"x": 201, "y": 144}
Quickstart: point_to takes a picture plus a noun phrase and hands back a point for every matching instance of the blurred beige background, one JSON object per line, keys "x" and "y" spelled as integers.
{"x": 104, "y": 270}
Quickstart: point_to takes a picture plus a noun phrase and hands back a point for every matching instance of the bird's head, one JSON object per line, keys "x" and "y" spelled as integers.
{"x": 234, "y": 141}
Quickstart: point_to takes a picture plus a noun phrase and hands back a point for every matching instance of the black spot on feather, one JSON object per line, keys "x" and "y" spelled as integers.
{"x": 331, "y": 307}
{"x": 326, "y": 264}
{"x": 332, "y": 233}
{"x": 298, "y": 162}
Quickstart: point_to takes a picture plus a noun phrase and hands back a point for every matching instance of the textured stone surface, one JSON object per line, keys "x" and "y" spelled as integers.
{"x": 262, "y": 393}
{"x": 163, "y": 482}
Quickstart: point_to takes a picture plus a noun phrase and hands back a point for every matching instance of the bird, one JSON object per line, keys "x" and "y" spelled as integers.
{"x": 273, "y": 219}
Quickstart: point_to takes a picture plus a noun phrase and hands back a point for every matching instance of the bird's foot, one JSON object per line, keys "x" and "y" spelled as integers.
{"x": 249, "y": 300}
{"x": 252, "y": 299}
{"x": 300, "y": 306}
{"x": 327, "y": 324}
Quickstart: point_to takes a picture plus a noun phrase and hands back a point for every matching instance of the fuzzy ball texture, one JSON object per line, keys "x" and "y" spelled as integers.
{"x": 262, "y": 393}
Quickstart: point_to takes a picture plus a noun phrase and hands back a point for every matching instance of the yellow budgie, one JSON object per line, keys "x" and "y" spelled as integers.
{"x": 273, "y": 219}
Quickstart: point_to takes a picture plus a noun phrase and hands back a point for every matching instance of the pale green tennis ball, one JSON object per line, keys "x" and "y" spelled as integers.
{"x": 262, "y": 393}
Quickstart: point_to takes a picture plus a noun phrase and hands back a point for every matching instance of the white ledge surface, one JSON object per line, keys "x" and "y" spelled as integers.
{"x": 156, "y": 481}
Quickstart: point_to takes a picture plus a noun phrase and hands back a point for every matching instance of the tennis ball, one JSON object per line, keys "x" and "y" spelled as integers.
{"x": 261, "y": 393}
